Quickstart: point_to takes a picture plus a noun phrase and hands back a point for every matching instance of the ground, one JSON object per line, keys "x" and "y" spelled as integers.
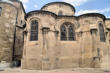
{"x": 74, "y": 70}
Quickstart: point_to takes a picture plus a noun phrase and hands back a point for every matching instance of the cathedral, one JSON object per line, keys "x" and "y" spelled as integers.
{"x": 53, "y": 37}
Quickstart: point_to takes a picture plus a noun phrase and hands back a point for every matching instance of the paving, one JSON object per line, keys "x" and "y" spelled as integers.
{"x": 72, "y": 70}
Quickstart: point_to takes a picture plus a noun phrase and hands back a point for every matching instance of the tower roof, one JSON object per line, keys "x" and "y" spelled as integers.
{"x": 59, "y": 3}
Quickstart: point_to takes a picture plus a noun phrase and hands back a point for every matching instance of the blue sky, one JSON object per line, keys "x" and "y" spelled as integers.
{"x": 81, "y": 6}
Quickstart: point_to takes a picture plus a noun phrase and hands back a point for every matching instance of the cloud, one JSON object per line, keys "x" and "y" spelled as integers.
{"x": 108, "y": 16}
{"x": 35, "y": 6}
{"x": 24, "y": 1}
{"x": 105, "y": 10}
{"x": 25, "y": 6}
{"x": 93, "y": 11}
{"x": 87, "y": 11}
{"x": 76, "y": 2}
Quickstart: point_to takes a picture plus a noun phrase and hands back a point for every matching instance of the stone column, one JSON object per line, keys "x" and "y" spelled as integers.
{"x": 95, "y": 50}
{"x": 45, "y": 59}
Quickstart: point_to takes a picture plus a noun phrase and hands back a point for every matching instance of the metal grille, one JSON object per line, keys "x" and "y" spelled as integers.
{"x": 101, "y": 31}
{"x": 67, "y": 32}
{"x": 63, "y": 33}
{"x": 34, "y": 30}
{"x": 0, "y": 11}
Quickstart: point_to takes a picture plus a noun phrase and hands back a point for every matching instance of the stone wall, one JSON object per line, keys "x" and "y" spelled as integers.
{"x": 49, "y": 52}
{"x": 7, "y": 23}
{"x": 10, "y": 17}
{"x": 60, "y": 7}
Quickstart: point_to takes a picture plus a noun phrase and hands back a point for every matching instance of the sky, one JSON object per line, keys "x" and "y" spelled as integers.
{"x": 81, "y": 6}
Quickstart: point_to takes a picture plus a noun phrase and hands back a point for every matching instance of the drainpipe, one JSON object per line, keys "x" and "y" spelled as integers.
{"x": 14, "y": 40}
{"x": 14, "y": 37}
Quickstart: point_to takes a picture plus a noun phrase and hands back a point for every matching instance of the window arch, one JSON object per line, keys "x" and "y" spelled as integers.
{"x": 101, "y": 31}
{"x": 67, "y": 32}
{"x": 34, "y": 30}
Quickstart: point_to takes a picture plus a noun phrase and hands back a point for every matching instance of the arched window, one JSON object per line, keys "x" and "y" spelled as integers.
{"x": 67, "y": 32}
{"x": 34, "y": 30}
{"x": 101, "y": 31}
{"x": 0, "y": 11}
{"x": 60, "y": 13}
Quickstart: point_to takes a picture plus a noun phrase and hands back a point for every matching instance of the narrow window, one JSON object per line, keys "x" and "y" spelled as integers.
{"x": 67, "y": 32}
{"x": 60, "y": 5}
{"x": 101, "y": 31}
{"x": 34, "y": 30}
{"x": 98, "y": 51}
{"x": 0, "y": 11}
{"x": 21, "y": 21}
{"x": 60, "y": 13}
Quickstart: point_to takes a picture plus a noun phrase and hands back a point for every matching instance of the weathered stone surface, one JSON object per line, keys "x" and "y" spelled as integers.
{"x": 49, "y": 51}
{"x": 10, "y": 15}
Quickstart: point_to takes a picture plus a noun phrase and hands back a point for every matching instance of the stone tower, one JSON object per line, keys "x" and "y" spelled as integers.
{"x": 11, "y": 21}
